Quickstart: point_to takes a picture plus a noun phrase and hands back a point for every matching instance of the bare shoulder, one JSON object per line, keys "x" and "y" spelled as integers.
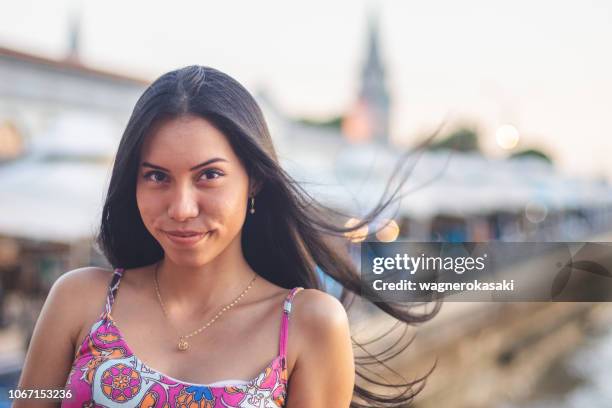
{"x": 83, "y": 283}
{"x": 87, "y": 276}
{"x": 69, "y": 302}
{"x": 324, "y": 349}
{"x": 317, "y": 314}
{"x": 82, "y": 293}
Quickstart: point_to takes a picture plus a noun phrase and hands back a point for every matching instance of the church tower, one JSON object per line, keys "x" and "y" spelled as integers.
{"x": 74, "y": 37}
{"x": 374, "y": 96}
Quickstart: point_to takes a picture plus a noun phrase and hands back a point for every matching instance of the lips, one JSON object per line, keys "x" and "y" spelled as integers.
{"x": 186, "y": 238}
{"x": 184, "y": 233}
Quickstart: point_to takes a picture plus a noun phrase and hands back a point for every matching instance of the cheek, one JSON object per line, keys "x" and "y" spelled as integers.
{"x": 148, "y": 206}
{"x": 229, "y": 207}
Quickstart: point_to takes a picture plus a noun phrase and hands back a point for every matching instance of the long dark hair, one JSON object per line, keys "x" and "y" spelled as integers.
{"x": 284, "y": 241}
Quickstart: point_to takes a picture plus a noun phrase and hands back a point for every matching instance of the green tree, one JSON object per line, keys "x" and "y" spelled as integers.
{"x": 531, "y": 153}
{"x": 464, "y": 139}
{"x": 334, "y": 122}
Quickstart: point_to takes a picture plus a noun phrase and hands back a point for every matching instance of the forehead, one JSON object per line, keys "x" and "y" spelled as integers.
{"x": 185, "y": 139}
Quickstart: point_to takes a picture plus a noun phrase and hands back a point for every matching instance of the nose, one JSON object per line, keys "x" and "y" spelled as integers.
{"x": 183, "y": 205}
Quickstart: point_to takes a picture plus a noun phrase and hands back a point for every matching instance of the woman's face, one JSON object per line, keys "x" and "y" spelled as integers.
{"x": 191, "y": 182}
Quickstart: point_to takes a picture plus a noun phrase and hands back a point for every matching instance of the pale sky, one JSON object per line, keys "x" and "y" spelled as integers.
{"x": 543, "y": 66}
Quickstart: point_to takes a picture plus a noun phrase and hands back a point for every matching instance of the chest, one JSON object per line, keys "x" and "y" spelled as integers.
{"x": 107, "y": 372}
{"x": 238, "y": 346}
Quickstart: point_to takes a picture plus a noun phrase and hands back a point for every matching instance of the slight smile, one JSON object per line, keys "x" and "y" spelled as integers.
{"x": 186, "y": 238}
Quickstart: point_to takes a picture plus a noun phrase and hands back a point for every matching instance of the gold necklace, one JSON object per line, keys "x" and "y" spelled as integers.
{"x": 183, "y": 345}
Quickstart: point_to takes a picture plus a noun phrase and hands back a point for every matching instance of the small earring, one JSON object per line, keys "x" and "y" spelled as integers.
{"x": 252, "y": 210}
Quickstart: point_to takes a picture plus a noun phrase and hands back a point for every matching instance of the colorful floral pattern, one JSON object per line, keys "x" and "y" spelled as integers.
{"x": 105, "y": 373}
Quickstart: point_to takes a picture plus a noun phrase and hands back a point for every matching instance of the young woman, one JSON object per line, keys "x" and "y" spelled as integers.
{"x": 213, "y": 300}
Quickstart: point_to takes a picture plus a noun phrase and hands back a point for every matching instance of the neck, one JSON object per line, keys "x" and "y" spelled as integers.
{"x": 193, "y": 293}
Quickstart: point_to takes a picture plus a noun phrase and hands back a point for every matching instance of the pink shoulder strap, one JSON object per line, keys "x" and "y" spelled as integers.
{"x": 112, "y": 291}
{"x": 284, "y": 331}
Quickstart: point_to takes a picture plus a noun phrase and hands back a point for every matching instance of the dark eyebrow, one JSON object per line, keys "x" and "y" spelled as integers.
{"x": 206, "y": 163}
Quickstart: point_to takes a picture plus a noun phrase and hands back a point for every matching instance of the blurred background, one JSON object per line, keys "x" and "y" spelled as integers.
{"x": 516, "y": 93}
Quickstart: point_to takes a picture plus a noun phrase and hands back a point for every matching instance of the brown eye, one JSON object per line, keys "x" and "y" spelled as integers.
{"x": 211, "y": 174}
{"x": 155, "y": 176}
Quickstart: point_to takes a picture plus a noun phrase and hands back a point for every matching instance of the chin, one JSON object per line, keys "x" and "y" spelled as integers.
{"x": 192, "y": 259}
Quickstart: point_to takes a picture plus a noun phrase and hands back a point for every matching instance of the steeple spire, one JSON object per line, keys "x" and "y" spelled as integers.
{"x": 374, "y": 93}
{"x": 74, "y": 36}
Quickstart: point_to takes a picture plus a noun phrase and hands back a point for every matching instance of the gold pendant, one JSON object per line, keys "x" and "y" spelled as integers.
{"x": 182, "y": 344}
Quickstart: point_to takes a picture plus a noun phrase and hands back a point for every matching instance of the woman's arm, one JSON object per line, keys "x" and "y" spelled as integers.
{"x": 324, "y": 372}
{"x": 49, "y": 356}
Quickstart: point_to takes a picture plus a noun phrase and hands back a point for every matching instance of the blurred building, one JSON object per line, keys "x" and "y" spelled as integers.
{"x": 368, "y": 118}
{"x": 35, "y": 90}
{"x": 60, "y": 121}
{"x": 374, "y": 93}
{"x": 448, "y": 195}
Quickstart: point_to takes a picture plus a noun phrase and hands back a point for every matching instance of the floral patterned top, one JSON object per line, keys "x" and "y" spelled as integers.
{"x": 106, "y": 373}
